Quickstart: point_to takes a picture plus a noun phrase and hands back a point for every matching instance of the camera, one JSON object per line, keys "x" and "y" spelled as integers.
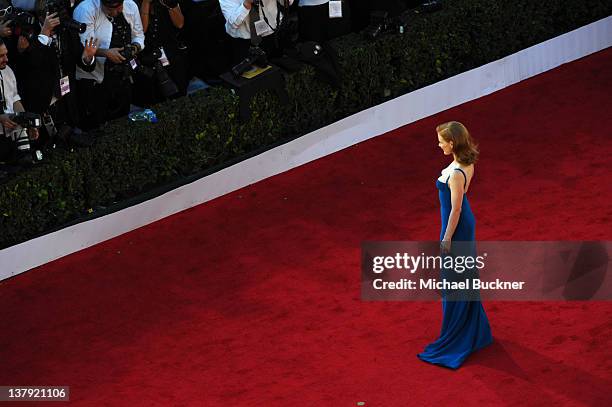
{"x": 151, "y": 67}
{"x": 129, "y": 51}
{"x": 147, "y": 64}
{"x": 23, "y": 23}
{"x": 22, "y": 140}
{"x": 27, "y": 120}
{"x": 62, "y": 8}
{"x": 256, "y": 56}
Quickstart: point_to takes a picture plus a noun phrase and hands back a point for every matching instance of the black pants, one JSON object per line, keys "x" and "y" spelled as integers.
{"x": 208, "y": 44}
{"x": 315, "y": 25}
{"x": 7, "y": 148}
{"x": 102, "y": 102}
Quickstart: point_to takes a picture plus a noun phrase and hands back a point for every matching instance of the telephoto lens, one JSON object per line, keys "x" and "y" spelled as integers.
{"x": 22, "y": 141}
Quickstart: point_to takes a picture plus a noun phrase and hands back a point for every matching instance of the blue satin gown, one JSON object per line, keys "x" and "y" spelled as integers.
{"x": 465, "y": 327}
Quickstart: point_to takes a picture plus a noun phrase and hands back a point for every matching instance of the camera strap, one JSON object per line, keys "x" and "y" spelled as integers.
{"x": 57, "y": 45}
{"x": 63, "y": 84}
{"x": 253, "y": 18}
{"x": 265, "y": 18}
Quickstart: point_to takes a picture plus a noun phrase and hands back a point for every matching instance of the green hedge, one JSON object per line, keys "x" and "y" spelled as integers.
{"x": 201, "y": 132}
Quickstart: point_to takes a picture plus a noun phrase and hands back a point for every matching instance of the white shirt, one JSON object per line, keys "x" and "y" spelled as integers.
{"x": 312, "y": 2}
{"x": 237, "y": 16}
{"x": 9, "y": 88}
{"x": 99, "y": 26}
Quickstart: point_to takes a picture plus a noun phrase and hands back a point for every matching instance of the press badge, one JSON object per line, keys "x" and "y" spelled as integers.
{"x": 163, "y": 58}
{"x": 335, "y": 9}
{"x": 133, "y": 63}
{"x": 64, "y": 85}
{"x": 262, "y": 28}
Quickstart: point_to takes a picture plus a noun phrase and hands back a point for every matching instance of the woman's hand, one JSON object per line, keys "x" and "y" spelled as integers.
{"x": 445, "y": 246}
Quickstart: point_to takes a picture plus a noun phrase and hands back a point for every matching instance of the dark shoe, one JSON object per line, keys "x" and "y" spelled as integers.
{"x": 79, "y": 138}
{"x": 29, "y": 158}
{"x": 74, "y": 137}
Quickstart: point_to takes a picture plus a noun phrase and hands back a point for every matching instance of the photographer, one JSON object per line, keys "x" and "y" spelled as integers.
{"x": 263, "y": 15}
{"x": 162, "y": 21}
{"x": 7, "y": 26}
{"x": 47, "y": 68}
{"x": 323, "y": 20}
{"x": 14, "y": 137}
{"x": 6, "y": 10}
{"x": 106, "y": 92}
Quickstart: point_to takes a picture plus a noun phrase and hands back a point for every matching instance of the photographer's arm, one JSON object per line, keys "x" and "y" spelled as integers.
{"x": 174, "y": 10}
{"x": 7, "y": 123}
{"x": 236, "y": 11}
{"x": 145, "y": 9}
{"x": 51, "y": 21}
{"x": 112, "y": 54}
{"x": 87, "y": 16}
{"x": 132, "y": 14}
{"x": 18, "y": 107}
{"x": 87, "y": 55}
{"x": 5, "y": 29}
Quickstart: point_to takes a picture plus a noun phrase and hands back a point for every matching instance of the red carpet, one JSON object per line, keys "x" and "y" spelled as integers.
{"x": 253, "y": 299}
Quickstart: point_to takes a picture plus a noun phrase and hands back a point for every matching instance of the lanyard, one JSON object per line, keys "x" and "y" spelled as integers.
{"x": 58, "y": 52}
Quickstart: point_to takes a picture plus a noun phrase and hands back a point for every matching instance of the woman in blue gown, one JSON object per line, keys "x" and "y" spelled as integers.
{"x": 465, "y": 327}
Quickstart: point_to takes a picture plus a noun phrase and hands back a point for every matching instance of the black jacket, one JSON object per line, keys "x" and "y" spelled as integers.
{"x": 40, "y": 68}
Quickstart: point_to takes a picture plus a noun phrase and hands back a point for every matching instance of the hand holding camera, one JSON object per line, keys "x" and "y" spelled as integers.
{"x": 114, "y": 55}
{"x": 5, "y": 29}
{"x": 6, "y": 121}
{"x": 130, "y": 51}
{"x": 52, "y": 20}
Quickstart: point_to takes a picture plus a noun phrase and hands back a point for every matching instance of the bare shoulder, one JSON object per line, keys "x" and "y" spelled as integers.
{"x": 469, "y": 174}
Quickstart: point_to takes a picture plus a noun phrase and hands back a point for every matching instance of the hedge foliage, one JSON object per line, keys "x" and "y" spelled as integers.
{"x": 202, "y": 132}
